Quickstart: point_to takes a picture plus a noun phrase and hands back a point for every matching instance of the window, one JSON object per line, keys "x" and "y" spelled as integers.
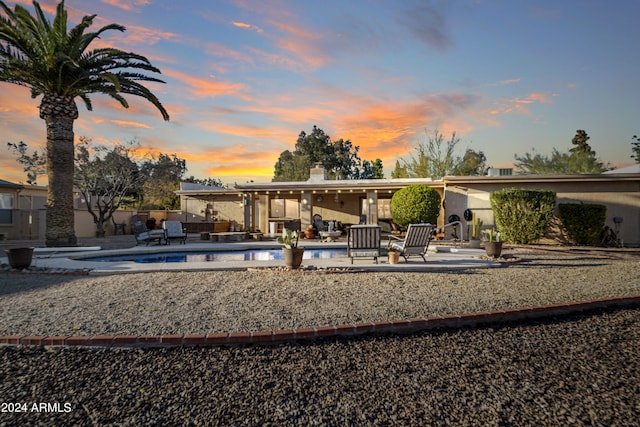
{"x": 284, "y": 208}
{"x": 6, "y": 206}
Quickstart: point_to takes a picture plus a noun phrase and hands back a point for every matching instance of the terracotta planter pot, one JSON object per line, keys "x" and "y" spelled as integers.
{"x": 493, "y": 249}
{"x": 293, "y": 257}
{"x": 19, "y": 258}
{"x": 394, "y": 257}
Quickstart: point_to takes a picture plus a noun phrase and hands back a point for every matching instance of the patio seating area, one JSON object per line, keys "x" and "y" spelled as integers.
{"x": 441, "y": 257}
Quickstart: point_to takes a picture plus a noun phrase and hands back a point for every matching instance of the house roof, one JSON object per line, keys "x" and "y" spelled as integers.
{"x": 318, "y": 183}
{"x": 4, "y": 183}
{"x": 508, "y": 179}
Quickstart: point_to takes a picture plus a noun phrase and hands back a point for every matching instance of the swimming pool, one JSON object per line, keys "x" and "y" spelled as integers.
{"x": 217, "y": 256}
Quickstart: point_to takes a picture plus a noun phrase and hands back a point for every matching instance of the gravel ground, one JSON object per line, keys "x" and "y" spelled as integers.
{"x": 209, "y": 302}
{"x": 582, "y": 370}
{"x": 578, "y": 370}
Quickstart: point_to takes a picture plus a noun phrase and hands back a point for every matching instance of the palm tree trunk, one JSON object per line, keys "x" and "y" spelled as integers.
{"x": 59, "y": 114}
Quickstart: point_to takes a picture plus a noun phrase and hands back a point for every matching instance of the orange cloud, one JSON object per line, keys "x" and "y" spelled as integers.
{"x": 202, "y": 88}
{"x": 302, "y": 44}
{"x": 520, "y": 105}
{"x": 219, "y": 50}
{"x": 126, "y": 123}
{"x": 246, "y": 26}
{"x": 126, "y": 5}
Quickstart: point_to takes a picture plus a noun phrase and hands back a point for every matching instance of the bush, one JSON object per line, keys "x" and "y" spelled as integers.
{"x": 584, "y": 222}
{"x": 522, "y": 215}
{"x": 415, "y": 204}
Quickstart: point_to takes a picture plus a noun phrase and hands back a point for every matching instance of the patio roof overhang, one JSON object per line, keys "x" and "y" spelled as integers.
{"x": 210, "y": 194}
{"x": 361, "y": 185}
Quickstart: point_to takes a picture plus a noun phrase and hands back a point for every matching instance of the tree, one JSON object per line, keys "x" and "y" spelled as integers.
{"x": 578, "y": 160}
{"x": 635, "y": 149}
{"x": 399, "y": 171}
{"x": 436, "y": 158}
{"x": 33, "y": 164}
{"x": 371, "y": 170}
{"x": 161, "y": 180}
{"x": 580, "y": 142}
{"x": 472, "y": 163}
{"x": 339, "y": 158}
{"x": 105, "y": 178}
{"x": 291, "y": 167}
{"x": 59, "y": 65}
{"x": 211, "y": 182}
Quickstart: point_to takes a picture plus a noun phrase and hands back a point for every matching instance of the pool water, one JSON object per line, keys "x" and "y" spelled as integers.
{"x": 219, "y": 256}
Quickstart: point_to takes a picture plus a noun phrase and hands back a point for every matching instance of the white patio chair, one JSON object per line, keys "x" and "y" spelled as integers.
{"x": 415, "y": 242}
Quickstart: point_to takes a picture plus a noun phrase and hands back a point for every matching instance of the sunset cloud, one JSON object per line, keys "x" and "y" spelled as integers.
{"x": 204, "y": 88}
{"x": 126, "y": 123}
{"x": 520, "y": 105}
{"x": 221, "y": 51}
{"x": 246, "y": 26}
{"x": 128, "y": 5}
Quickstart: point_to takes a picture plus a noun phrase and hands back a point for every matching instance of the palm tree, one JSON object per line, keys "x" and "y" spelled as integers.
{"x": 59, "y": 65}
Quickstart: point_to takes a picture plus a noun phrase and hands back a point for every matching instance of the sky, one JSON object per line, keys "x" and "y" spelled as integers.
{"x": 244, "y": 78}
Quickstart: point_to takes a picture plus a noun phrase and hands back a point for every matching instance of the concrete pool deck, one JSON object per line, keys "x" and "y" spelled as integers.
{"x": 440, "y": 258}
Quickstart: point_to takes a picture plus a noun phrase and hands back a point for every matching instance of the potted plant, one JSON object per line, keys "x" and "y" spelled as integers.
{"x": 476, "y": 225}
{"x": 292, "y": 253}
{"x": 493, "y": 245}
{"x": 19, "y": 258}
{"x": 393, "y": 254}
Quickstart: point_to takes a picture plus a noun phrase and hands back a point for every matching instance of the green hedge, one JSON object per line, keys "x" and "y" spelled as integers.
{"x": 584, "y": 222}
{"x": 415, "y": 204}
{"x": 522, "y": 215}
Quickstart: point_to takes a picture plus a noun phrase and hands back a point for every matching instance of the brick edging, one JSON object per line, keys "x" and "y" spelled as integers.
{"x": 290, "y": 335}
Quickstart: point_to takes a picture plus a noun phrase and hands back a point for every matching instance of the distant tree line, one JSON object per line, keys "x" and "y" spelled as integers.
{"x": 580, "y": 159}
{"x": 635, "y": 148}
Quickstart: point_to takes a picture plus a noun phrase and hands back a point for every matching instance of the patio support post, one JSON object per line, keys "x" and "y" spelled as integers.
{"x": 372, "y": 207}
{"x": 306, "y": 208}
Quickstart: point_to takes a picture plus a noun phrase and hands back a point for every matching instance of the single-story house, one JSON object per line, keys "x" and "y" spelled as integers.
{"x": 267, "y": 206}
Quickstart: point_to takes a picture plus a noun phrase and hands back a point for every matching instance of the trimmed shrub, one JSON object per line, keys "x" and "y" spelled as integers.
{"x": 584, "y": 222}
{"x": 522, "y": 215}
{"x": 415, "y": 204}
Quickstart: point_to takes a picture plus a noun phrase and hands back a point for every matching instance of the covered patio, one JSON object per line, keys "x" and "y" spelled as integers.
{"x": 346, "y": 202}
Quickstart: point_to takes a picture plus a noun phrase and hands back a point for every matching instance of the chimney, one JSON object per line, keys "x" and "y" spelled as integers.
{"x": 317, "y": 173}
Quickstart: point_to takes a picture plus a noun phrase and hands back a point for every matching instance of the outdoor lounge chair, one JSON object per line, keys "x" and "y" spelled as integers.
{"x": 415, "y": 242}
{"x": 143, "y": 234}
{"x": 174, "y": 230}
{"x": 319, "y": 225}
{"x": 363, "y": 241}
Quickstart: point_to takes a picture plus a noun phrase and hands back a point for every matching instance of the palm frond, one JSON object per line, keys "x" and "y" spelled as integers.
{"x": 49, "y": 59}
